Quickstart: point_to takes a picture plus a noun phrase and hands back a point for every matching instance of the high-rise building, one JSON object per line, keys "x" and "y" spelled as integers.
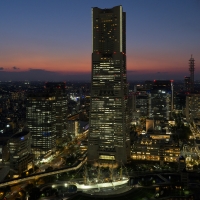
{"x": 60, "y": 106}
{"x": 187, "y": 83}
{"x": 142, "y": 104}
{"x": 41, "y": 122}
{"x": 108, "y": 140}
{"x": 192, "y": 107}
{"x": 191, "y": 69}
{"x": 180, "y": 102}
{"x": 47, "y": 117}
{"x": 19, "y": 146}
{"x": 161, "y": 99}
{"x": 148, "y": 85}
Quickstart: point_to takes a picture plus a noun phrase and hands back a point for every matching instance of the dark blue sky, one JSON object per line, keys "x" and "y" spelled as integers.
{"x": 55, "y": 36}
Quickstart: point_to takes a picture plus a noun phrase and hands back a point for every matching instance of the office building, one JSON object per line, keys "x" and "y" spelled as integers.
{"x": 60, "y": 107}
{"x": 19, "y": 145}
{"x": 41, "y": 122}
{"x": 187, "y": 83}
{"x": 108, "y": 140}
{"x": 142, "y": 103}
{"x": 47, "y": 117}
{"x": 180, "y": 102}
{"x": 148, "y": 85}
{"x": 192, "y": 107}
{"x": 4, "y": 151}
{"x": 73, "y": 128}
{"x": 160, "y": 102}
{"x": 191, "y": 69}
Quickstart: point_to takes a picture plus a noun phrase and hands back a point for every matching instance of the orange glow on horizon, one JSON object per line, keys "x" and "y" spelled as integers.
{"x": 71, "y": 63}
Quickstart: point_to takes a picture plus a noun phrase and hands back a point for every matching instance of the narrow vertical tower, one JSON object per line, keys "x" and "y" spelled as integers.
{"x": 191, "y": 69}
{"x": 107, "y": 132}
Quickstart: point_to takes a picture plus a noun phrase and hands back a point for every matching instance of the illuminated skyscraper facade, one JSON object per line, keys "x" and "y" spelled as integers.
{"x": 108, "y": 140}
{"x": 41, "y": 122}
{"x": 47, "y": 117}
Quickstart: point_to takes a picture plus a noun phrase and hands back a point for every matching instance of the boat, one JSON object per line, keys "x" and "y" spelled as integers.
{"x": 102, "y": 185}
{"x": 100, "y": 182}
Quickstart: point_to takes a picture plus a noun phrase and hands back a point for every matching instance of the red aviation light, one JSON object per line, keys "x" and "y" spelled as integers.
{"x": 172, "y": 80}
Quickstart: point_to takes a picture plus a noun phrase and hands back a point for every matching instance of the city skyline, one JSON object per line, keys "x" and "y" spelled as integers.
{"x": 44, "y": 40}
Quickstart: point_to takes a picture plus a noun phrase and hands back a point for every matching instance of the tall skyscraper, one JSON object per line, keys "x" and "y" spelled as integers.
{"x": 108, "y": 140}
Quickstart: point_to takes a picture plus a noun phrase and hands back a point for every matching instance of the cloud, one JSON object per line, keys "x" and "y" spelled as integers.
{"x": 1, "y": 68}
{"x": 15, "y": 68}
{"x": 37, "y": 69}
{"x": 161, "y": 72}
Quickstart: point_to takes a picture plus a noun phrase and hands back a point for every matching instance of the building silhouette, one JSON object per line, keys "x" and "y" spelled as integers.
{"x": 108, "y": 140}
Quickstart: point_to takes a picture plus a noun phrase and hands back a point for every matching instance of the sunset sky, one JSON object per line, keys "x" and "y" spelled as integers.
{"x": 51, "y": 39}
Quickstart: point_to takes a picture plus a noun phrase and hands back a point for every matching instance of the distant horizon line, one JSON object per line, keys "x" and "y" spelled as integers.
{"x": 45, "y": 75}
{"x": 87, "y": 81}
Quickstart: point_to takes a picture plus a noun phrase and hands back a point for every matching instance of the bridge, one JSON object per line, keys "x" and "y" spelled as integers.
{"x": 39, "y": 175}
